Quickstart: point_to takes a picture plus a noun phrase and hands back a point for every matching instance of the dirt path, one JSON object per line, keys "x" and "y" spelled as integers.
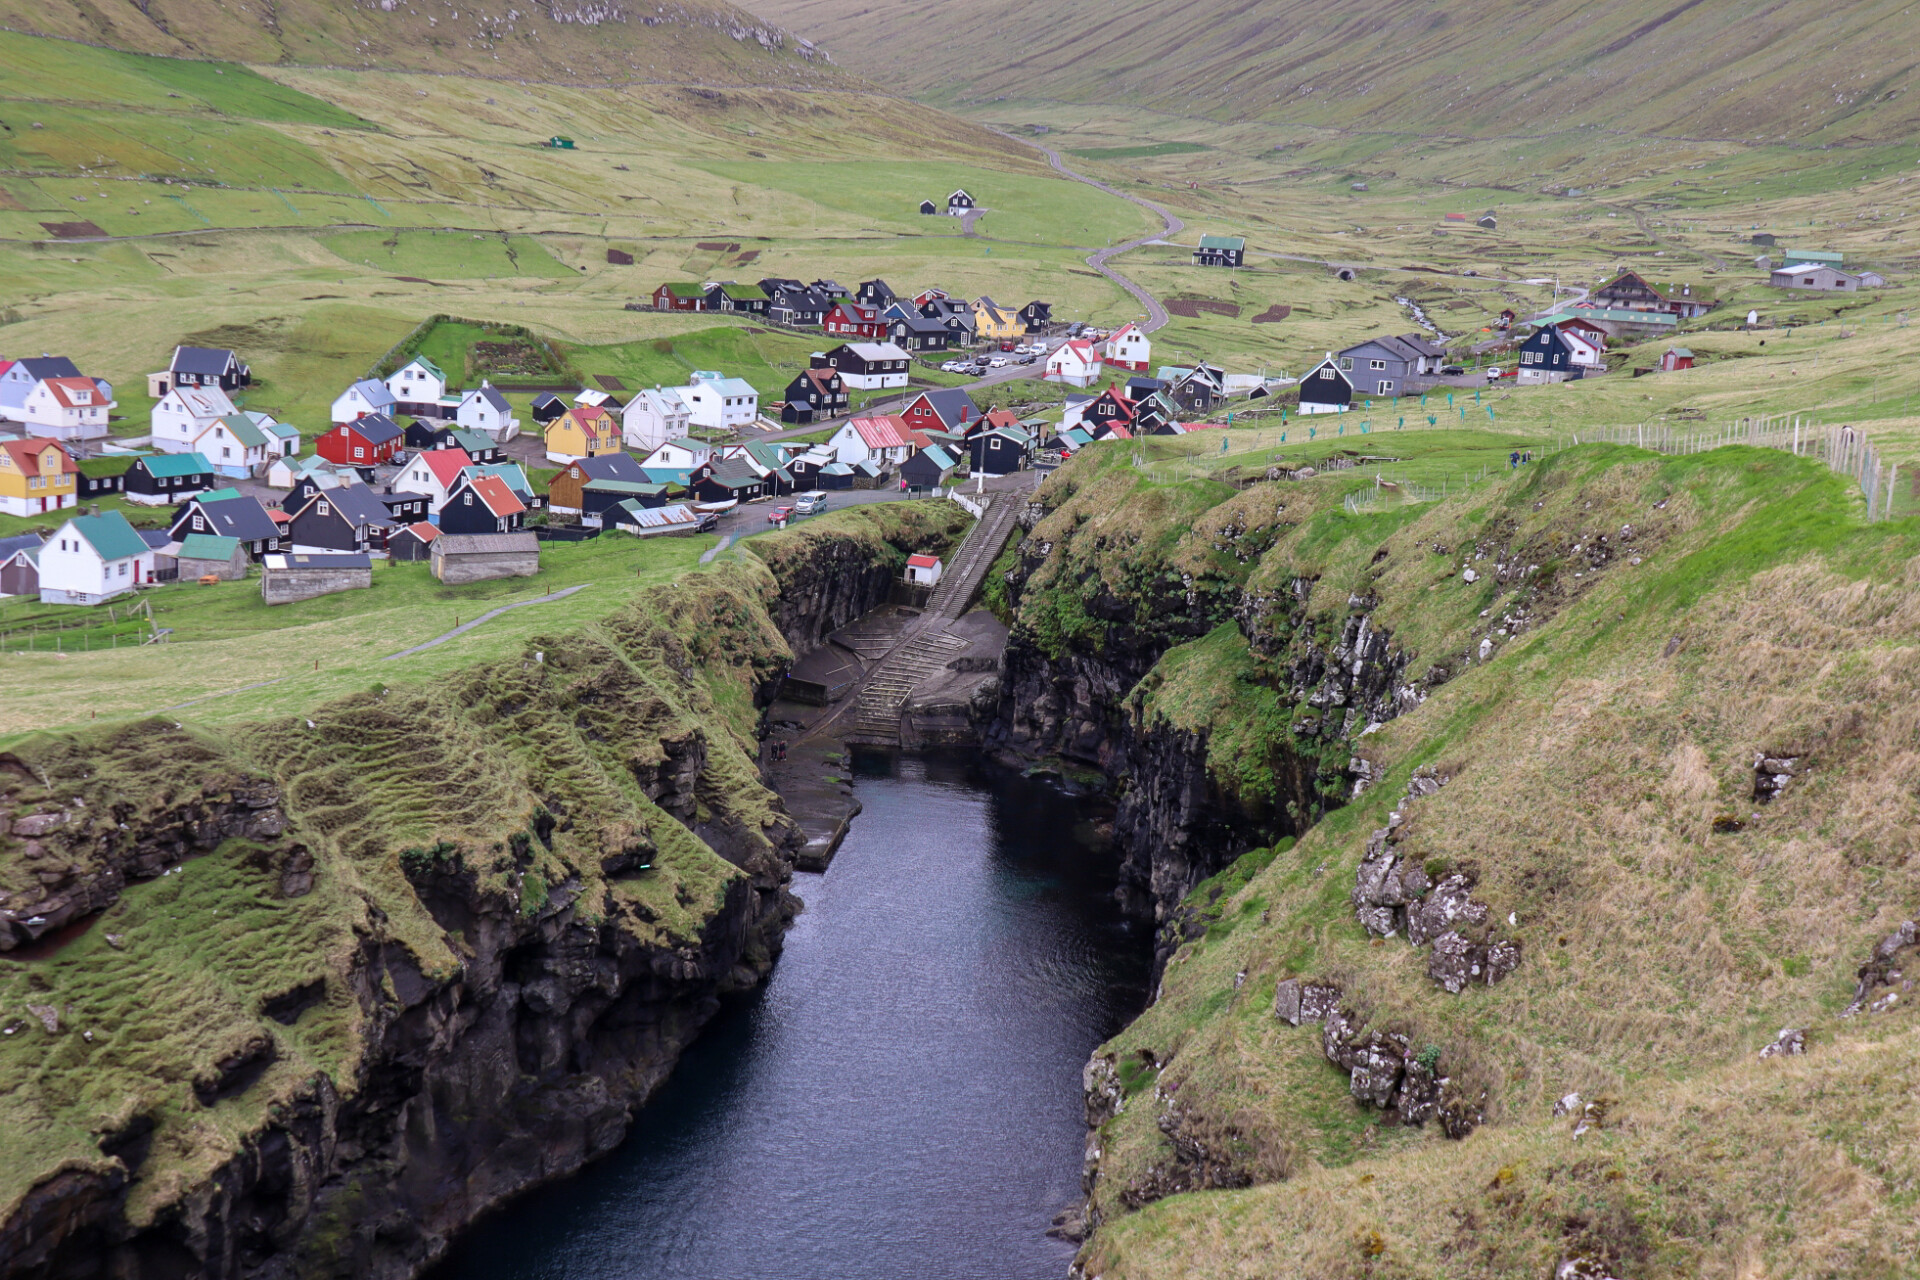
{"x": 1171, "y": 225}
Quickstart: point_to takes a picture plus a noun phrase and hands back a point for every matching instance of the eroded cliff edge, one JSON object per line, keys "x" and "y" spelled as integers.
{"x": 306, "y": 996}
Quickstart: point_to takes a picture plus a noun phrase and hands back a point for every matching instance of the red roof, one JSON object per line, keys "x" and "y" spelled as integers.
{"x": 923, "y": 562}
{"x": 65, "y": 389}
{"x": 26, "y": 454}
{"x": 997, "y": 418}
{"x": 882, "y": 432}
{"x": 446, "y": 464}
{"x": 423, "y": 531}
{"x": 499, "y": 498}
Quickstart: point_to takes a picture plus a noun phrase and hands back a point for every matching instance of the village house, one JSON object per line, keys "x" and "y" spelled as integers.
{"x": 1630, "y": 291}
{"x": 477, "y": 557}
{"x": 1547, "y": 356}
{"x": 349, "y": 519}
{"x": 283, "y": 472}
{"x": 719, "y": 403}
{"x": 680, "y": 296}
{"x": 417, "y": 387}
{"x": 200, "y": 367}
{"x": 875, "y": 293}
{"x": 959, "y": 202}
{"x": 1820, "y": 276}
{"x": 1074, "y": 363}
{"x": 913, "y": 332}
{"x": 725, "y": 480}
{"x": 362, "y": 442}
{"x": 433, "y": 474}
{"x": 36, "y": 475}
{"x": 20, "y": 565}
{"x": 998, "y": 452}
{"x": 945, "y": 409}
{"x": 649, "y": 522}
{"x": 877, "y": 439}
{"x": 831, "y": 290}
{"x": 928, "y": 208}
{"x": 91, "y": 559}
{"x": 675, "y": 461}
{"x": 167, "y": 478}
{"x": 1326, "y": 388}
{"x": 184, "y": 414}
{"x": 798, "y": 307}
{"x": 1196, "y": 390}
{"x": 482, "y": 504}
{"x": 768, "y": 461}
{"x": 1108, "y": 409}
{"x": 412, "y": 542}
{"x": 582, "y": 432}
{"x": 729, "y": 295}
{"x": 1385, "y": 366}
{"x": 1674, "y": 359}
{"x": 857, "y": 321}
{"x": 929, "y": 467}
{"x": 1036, "y": 315}
{"x": 565, "y": 489}
{"x": 1221, "y": 251}
{"x": 225, "y": 513}
{"x": 869, "y": 366}
{"x": 994, "y": 323}
{"x": 365, "y": 398}
{"x": 1129, "y": 349}
{"x": 303, "y": 576}
{"x": 485, "y": 410}
{"x": 819, "y": 392}
{"x": 923, "y": 570}
{"x": 237, "y": 446}
{"x": 204, "y": 555}
{"x": 66, "y": 409}
{"x": 654, "y": 417}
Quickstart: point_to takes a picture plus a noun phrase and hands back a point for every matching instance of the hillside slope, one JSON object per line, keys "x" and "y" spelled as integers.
{"x": 1586, "y": 783}
{"x": 1749, "y": 70}
{"x": 688, "y": 41}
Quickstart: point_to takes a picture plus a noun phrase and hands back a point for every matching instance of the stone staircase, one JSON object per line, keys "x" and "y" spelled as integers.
{"x": 876, "y": 717}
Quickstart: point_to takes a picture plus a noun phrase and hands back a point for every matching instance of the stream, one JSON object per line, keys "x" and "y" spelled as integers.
{"x": 902, "y": 1097}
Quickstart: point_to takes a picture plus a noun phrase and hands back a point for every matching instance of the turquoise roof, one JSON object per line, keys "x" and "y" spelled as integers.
{"x": 177, "y": 464}
{"x": 110, "y": 535}
{"x": 208, "y": 546}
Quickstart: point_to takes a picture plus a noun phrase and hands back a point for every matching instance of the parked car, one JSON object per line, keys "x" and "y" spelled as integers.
{"x": 1028, "y": 359}
{"x": 1493, "y": 374}
{"x": 807, "y": 504}
{"x": 779, "y": 515}
{"x": 998, "y": 362}
{"x": 1453, "y": 371}
{"x": 709, "y": 521}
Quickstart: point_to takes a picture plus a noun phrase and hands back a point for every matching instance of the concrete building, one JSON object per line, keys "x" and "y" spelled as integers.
{"x": 476, "y": 557}
{"x": 285, "y": 579}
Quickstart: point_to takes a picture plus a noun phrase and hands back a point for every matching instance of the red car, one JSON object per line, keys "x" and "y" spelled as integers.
{"x": 779, "y": 515}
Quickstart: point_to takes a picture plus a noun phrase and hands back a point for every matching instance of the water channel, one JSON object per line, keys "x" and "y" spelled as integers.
{"x": 902, "y": 1098}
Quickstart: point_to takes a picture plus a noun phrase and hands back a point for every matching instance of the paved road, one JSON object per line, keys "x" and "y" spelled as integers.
{"x": 1156, "y": 314}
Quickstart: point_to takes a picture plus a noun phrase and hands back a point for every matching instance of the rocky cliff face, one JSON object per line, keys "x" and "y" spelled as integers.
{"x": 480, "y": 926}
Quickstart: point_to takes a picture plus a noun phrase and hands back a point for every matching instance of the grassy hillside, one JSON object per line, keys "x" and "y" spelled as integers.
{"x": 1683, "y": 617}
{"x": 1748, "y": 72}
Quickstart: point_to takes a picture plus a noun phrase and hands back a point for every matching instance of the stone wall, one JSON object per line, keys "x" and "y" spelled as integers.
{"x": 284, "y": 586}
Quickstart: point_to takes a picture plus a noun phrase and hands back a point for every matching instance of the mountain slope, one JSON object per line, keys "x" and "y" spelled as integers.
{"x": 1751, "y": 70}
{"x": 688, "y": 41}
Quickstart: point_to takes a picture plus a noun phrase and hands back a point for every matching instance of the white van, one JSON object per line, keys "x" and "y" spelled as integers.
{"x": 806, "y": 504}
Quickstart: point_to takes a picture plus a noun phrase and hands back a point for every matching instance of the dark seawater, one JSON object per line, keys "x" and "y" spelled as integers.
{"x": 902, "y": 1100}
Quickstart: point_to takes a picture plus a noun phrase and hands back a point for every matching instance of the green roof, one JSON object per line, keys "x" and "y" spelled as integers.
{"x": 1223, "y": 242}
{"x": 426, "y": 364}
{"x": 623, "y": 486}
{"x": 472, "y": 441}
{"x": 177, "y": 464}
{"x": 1797, "y": 256}
{"x": 249, "y": 435}
{"x": 110, "y": 535}
{"x": 741, "y": 292}
{"x": 220, "y": 495}
{"x": 1683, "y": 352}
{"x": 685, "y": 290}
{"x": 208, "y": 546}
{"x": 110, "y": 465}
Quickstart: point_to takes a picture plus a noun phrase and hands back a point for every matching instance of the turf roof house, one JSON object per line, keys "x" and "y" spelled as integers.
{"x": 91, "y": 559}
{"x": 720, "y": 403}
{"x": 482, "y": 504}
{"x": 1326, "y": 388}
{"x": 728, "y": 295}
{"x": 654, "y": 417}
{"x": 819, "y": 392}
{"x": 225, "y": 513}
{"x": 363, "y": 442}
{"x": 867, "y": 366}
{"x": 1629, "y": 291}
{"x": 1385, "y": 366}
{"x": 36, "y": 475}
{"x": 1221, "y": 251}
{"x": 682, "y": 295}
{"x": 582, "y": 432}
{"x": 167, "y": 478}
{"x": 349, "y": 519}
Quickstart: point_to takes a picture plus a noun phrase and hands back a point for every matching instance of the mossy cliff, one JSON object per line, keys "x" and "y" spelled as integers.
{"x": 304, "y": 997}
{"x": 1492, "y": 842}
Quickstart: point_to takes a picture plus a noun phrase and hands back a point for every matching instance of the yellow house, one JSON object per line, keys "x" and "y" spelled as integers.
{"x": 36, "y": 475}
{"x": 992, "y": 322}
{"x": 582, "y": 432}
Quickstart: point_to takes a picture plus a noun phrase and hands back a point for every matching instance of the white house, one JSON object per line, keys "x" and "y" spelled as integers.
{"x": 418, "y": 381}
{"x": 718, "y": 402}
{"x": 676, "y": 456}
{"x": 878, "y": 440}
{"x": 93, "y": 558}
{"x": 434, "y": 473}
{"x": 1075, "y": 363}
{"x": 184, "y": 414}
{"x": 652, "y": 418}
{"x": 485, "y": 410}
{"x": 872, "y": 366}
{"x": 282, "y": 472}
{"x": 236, "y": 446}
{"x": 285, "y": 436}
{"x": 361, "y": 399}
{"x": 66, "y": 409}
{"x": 1129, "y": 349}
{"x": 1588, "y": 351}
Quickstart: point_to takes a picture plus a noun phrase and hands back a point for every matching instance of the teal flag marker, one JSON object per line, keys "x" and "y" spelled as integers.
{"x": 1403, "y": 423}
{"x": 1476, "y": 397}
{"x": 1432, "y": 421}
{"x": 1223, "y": 441}
{"x": 1343, "y": 428}
{"x": 1365, "y": 427}
{"x": 1490, "y": 417}
{"x": 1283, "y": 437}
{"x": 1463, "y": 413}
{"x": 1312, "y": 432}
{"x": 1449, "y": 399}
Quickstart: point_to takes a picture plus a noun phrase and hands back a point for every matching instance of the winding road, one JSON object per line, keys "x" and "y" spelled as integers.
{"x": 1156, "y": 314}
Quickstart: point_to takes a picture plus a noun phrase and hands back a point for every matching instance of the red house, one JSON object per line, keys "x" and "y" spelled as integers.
{"x": 362, "y": 442}
{"x": 948, "y": 409}
{"x": 850, "y": 319}
{"x": 680, "y": 297}
{"x": 1676, "y": 358}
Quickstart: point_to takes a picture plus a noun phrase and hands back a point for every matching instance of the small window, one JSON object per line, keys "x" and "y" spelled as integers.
{"x": 1376, "y": 364}
{"x": 323, "y": 509}
{"x": 123, "y": 568}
